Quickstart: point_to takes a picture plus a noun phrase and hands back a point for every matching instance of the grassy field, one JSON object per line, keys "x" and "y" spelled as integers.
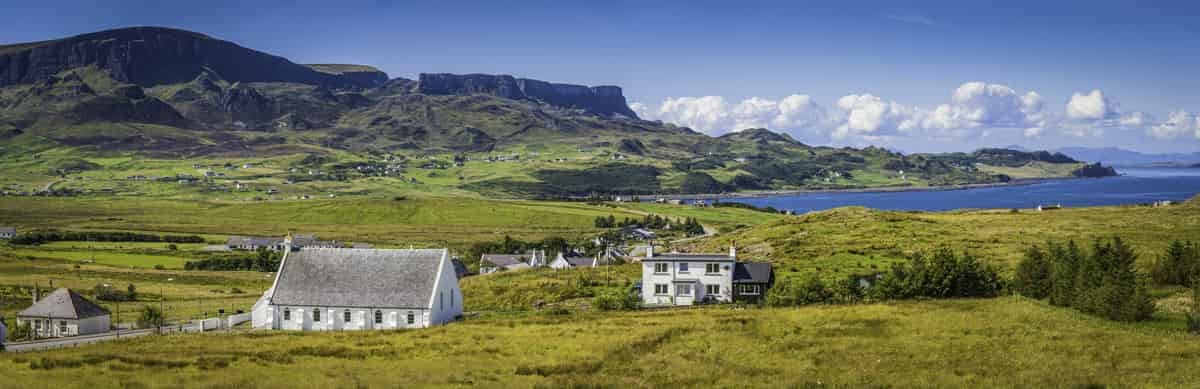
{"x": 423, "y": 220}
{"x": 1004, "y": 342}
{"x": 829, "y": 241}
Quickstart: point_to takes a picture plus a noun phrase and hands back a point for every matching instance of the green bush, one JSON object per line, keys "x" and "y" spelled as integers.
{"x": 150, "y": 317}
{"x": 1193, "y": 314}
{"x": 615, "y": 300}
{"x": 1104, "y": 282}
{"x": 1178, "y": 266}
{"x": 941, "y": 275}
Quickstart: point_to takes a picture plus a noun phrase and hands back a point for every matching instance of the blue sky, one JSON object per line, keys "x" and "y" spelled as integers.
{"x": 918, "y": 76}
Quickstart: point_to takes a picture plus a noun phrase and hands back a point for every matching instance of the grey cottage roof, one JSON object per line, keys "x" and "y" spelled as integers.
{"x": 331, "y": 277}
{"x": 63, "y": 304}
{"x": 8, "y": 230}
{"x": 579, "y": 261}
{"x": 691, "y": 257}
{"x": 753, "y": 273}
{"x": 506, "y": 260}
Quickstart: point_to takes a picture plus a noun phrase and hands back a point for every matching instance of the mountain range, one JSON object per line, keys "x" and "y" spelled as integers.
{"x": 169, "y": 93}
{"x": 1121, "y": 157}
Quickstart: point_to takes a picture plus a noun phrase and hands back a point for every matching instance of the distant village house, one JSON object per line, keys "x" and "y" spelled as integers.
{"x": 687, "y": 279}
{"x": 64, "y": 313}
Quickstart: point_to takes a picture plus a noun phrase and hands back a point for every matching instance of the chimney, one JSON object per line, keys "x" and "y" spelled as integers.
{"x": 650, "y": 250}
{"x": 733, "y": 249}
{"x": 36, "y": 294}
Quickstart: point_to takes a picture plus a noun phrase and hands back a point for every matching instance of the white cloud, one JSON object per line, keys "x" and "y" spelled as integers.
{"x": 712, "y": 115}
{"x": 1178, "y": 124}
{"x": 976, "y": 110}
{"x": 1092, "y": 106}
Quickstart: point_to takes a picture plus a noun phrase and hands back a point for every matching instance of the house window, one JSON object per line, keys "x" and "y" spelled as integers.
{"x": 378, "y": 317}
{"x": 712, "y": 289}
{"x": 660, "y": 289}
{"x": 750, "y": 289}
{"x": 287, "y": 314}
{"x": 62, "y": 326}
{"x": 411, "y": 318}
{"x": 346, "y": 316}
{"x": 683, "y": 267}
{"x": 317, "y": 315}
{"x": 683, "y": 290}
{"x": 660, "y": 267}
{"x": 712, "y": 268}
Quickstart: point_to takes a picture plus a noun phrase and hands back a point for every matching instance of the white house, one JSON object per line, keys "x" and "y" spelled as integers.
{"x": 332, "y": 289}
{"x": 491, "y": 263}
{"x": 3, "y": 333}
{"x": 64, "y": 313}
{"x": 7, "y": 232}
{"x": 566, "y": 262}
{"x": 686, "y": 279}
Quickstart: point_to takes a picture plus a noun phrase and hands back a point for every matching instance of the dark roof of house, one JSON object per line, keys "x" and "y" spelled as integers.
{"x": 64, "y": 304}
{"x": 460, "y": 268}
{"x": 504, "y": 260}
{"x": 689, "y": 257}
{"x": 753, "y": 273}
{"x": 331, "y": 277}
{"x": 579, "y": 261}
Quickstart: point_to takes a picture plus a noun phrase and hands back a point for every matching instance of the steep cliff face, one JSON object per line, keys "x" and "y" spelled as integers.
{"x": 601, "y": 100}
{"x": 149, "y": 56}
{"x": 364, "y": 76}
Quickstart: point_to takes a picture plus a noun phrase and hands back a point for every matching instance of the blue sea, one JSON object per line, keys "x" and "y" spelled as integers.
{"x": 1134, "y": 186}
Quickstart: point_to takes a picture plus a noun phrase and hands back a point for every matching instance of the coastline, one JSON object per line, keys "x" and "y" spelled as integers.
{"x": 885, "y": 189}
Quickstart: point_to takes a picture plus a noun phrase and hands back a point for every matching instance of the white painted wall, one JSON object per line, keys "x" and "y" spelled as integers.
{"x": 52, "y": 328}
{"x": 446, "y": 304}
{"x": 334, "y": 319}
{"x": 696, "y": 271}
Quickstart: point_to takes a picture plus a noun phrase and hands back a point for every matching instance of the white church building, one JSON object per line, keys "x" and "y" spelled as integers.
{"x": 334, "y": 289}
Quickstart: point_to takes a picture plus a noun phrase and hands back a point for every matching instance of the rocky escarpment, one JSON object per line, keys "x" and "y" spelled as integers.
{"x": 364, "y": 76}
{"x": 600, "y": 100}
{"x": 149, "y": 56}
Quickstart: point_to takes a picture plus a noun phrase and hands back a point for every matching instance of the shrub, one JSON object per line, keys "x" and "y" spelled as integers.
{"x": 1177, "y": 266}
{"x": 616, "y": 301}
{"x": 1104, "y": 282}
{"x": 941, "y": 275}
{"x": 150, "y": 317}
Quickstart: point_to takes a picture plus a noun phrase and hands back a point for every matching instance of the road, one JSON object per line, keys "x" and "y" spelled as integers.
{"x": 73, "y": 341}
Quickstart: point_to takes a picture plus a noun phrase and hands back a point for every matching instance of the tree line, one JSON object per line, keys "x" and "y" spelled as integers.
{"x": 942, "y": 274}
{"x": 689, "y": 226}
{"x": 1102, "y": 281}
{"x": 45, "y": 236}
{"x": 262, "y": 260}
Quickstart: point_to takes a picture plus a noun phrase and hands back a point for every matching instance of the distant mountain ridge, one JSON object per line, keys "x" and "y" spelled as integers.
{"x": 603, "y": 100}
{"x": 1120, "y": 157}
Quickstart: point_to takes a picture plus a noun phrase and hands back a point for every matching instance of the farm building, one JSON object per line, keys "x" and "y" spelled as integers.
{"x": 331, "y": 289}
{"x": 64, "y": 313}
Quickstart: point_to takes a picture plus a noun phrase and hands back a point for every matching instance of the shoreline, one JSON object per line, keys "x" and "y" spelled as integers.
{"x": 886, "y": 189}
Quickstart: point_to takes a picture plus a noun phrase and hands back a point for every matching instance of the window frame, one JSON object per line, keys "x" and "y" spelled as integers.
{"x": 749, "y": 289}
{"x": 712, "y": 289}
{"x": 346, "y": 316}
{"x": 316, "y": 315}
{"x": 684, "y": 290}
{"x": 665, "y": 268}
{"x": 287, "y": 314}
{"x": 712, "y": 268}
{"x": 412, "y": 318}
{"x": 666, "y": 291}
{"x": 378, "y": 316}
{"x": 683, "y": 267}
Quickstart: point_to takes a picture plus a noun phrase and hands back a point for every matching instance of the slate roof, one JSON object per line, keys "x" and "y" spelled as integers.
{"x": 753, "y": 273}
{"x": 579, "y": 261}
{"x": 506, "y": 260}
{"x": 8, "y": 230}
{"x": 332, "y": 277}
{"x": 689, "y": 257}
{"x": 64, "y": 304}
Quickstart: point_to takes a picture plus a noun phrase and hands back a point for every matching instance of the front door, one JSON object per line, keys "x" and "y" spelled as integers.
{"x": 685, "y": 294}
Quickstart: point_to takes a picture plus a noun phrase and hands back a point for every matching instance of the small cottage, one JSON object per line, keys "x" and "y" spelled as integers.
{"x": 8, "y": 232}
{"x": 563, "y": 261}
{"x": 64, "y": 313}
{"x": 491, "y": 263}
